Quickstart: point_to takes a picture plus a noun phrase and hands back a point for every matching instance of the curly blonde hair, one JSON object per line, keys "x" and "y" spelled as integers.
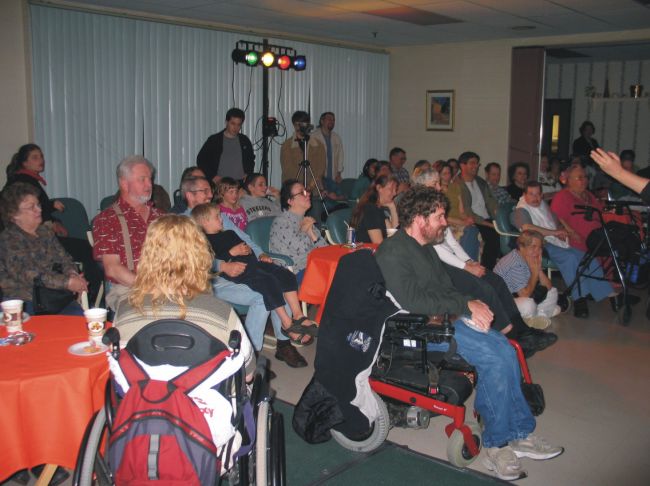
{"x": 174, "y": 264}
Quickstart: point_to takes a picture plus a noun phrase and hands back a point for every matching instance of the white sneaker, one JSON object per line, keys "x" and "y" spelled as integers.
{"x": 557, "y": 311}
{"x": 504, "y": 462}
{"x": 535, "y": 447}
{"x": 537, "y": 322}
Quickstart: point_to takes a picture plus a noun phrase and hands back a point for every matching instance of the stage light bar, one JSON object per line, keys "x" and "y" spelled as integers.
{"x": 269, "y": 56}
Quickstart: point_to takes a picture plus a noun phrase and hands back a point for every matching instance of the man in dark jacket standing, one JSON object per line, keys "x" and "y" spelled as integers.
{"x": 228, "y": 153}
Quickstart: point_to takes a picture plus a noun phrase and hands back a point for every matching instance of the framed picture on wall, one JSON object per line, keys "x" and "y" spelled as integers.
{"x": 440, "y": 110}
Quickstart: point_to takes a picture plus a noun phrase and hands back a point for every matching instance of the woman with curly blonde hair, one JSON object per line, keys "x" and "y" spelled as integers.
{"x": 173, "y": 282}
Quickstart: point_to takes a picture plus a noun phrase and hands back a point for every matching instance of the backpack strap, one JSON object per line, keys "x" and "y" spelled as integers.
{"x": 132, "y": 370}
{"x": 196, "y": 375}
{"x": 126, "y": 237}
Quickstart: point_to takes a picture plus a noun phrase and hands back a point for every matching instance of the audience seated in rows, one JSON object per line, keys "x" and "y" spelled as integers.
{"x": 197, "y": 191}
{"x": 493, "y": 178}
{"x": 533, "y": 213}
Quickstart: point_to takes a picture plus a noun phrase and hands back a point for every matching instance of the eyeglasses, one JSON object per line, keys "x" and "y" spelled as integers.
{"x": 304, "y": 192}
{"x": 31, "y": 207}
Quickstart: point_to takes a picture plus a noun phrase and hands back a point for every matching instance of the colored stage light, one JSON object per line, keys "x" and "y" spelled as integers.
{"x": 268, "y": 59}
{"x": 299, "y": 63}
{"x": 252, "y": 58}
{"x": 284, "y": 62}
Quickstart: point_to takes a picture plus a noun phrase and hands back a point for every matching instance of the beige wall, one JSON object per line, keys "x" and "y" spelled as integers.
{"x": 479, "y": 72}
{"x": 15, "y": 98}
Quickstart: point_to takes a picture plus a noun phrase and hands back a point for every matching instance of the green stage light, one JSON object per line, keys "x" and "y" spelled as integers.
{"x": 252, "y": 58}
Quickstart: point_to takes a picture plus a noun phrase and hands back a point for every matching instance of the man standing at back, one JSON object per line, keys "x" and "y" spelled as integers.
{"x": 333, "y": 149}
{"x": 120, "y": 229}
{"x": 228, "y": 153}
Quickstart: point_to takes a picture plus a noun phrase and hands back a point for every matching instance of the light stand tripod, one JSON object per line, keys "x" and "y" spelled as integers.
{"x": 304, "y": 169}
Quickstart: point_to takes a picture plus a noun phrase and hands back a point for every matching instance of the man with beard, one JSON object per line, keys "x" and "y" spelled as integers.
{"x": 417, "y": 279}
{"x": 120, "y": 229}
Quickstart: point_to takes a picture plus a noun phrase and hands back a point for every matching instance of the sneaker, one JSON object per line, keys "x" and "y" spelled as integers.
{"x": 270, "y": 341}
{"x": 535, "y": 447}
{"x": 290, "y": 355}
{"x": 538, "y": 322}
{"x": 504, "y": 462}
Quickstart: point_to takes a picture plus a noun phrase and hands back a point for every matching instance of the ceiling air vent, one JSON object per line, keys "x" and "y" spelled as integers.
{"x": 412, "y": 16}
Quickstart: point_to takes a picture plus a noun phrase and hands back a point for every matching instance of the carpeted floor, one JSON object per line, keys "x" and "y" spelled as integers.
{"x": 331, "y": 464}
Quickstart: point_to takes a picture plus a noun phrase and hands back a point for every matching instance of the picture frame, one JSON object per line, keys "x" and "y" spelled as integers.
{"x": 440, "y": 107}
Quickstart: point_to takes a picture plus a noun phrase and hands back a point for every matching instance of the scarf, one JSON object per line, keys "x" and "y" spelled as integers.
{"x": 33, "y": 174}
{"x": 542, "y": 217}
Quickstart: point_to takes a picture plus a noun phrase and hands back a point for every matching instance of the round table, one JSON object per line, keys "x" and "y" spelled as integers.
{"x": 48, "y": 395}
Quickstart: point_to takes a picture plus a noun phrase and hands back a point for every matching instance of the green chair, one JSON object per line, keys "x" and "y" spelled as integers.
{"x": 337, "y": 226}
{"x": 503, "y": 226}
{"x": 260, "y": 230}
{"x": 347, "y": 185}
{"x": 74, "y": 218}
{"x": 106, "y": 202}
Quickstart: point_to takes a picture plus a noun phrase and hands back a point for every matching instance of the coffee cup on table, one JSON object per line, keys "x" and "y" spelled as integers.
{"x": 95, "y": 319}
{"x": 12, "y": 315}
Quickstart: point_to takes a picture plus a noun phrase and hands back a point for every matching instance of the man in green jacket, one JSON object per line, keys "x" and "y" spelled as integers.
{"x": 472, "y": 201}
{"x": 417, "y": 279}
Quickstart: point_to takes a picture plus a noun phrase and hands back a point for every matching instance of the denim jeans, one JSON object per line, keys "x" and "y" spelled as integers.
{"x": 257, "y": 314}
{"x": 499, "y": 398}
{"x": 567, "y": 260}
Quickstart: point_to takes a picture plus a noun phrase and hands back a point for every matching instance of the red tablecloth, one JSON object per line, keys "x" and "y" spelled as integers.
{"x": 47, "y": 395}
{"x": 319, "y": 273}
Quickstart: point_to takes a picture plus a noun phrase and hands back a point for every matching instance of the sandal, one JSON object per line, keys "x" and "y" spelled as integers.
{"x": 298, "y": 328}
{"x": 299, "y": 343}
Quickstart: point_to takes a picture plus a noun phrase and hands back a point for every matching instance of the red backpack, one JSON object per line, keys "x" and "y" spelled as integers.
{"x": 160, "y": 436}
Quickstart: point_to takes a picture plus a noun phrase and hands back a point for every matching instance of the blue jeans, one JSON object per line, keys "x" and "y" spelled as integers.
{"x": 499, "y": 398}
{"x": 567, "y": 260}
{"x": 257, "y": 314}
{"x": 469, "y": 242}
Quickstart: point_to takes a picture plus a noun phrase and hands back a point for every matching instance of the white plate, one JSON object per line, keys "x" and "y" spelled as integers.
{"x": 82, "y": 349}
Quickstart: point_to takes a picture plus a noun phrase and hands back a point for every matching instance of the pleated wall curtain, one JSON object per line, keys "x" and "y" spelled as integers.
{"x": 106, "y": 87}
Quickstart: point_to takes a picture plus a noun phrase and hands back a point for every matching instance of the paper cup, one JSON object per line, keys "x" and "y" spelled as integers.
{"x": 95, "y": 319}
{"x": 12, "y": 315}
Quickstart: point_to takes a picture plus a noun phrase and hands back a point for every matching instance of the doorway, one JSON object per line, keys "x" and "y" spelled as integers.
{"x": 556, "y": 135}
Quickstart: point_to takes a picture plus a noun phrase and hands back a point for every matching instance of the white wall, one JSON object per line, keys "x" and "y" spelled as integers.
{"x": 621, "y": 122}
{"x": 15, "y": 96}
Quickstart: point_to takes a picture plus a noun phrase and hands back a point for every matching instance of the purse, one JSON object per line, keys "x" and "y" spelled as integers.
{"x": 49, "y": 301}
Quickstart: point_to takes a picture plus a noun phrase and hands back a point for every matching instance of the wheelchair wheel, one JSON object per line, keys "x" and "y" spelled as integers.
{"x": 269, "y": 447}
{"x": 93, "y": 467}
{"x": 377, "y": 436}
{"x": 457, "y": 452}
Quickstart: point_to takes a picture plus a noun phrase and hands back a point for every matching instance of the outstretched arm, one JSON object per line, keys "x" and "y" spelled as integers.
{"x": 611, "y": 164}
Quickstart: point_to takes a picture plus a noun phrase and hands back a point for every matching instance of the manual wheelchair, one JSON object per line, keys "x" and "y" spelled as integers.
{"x": 181, "y": 343}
